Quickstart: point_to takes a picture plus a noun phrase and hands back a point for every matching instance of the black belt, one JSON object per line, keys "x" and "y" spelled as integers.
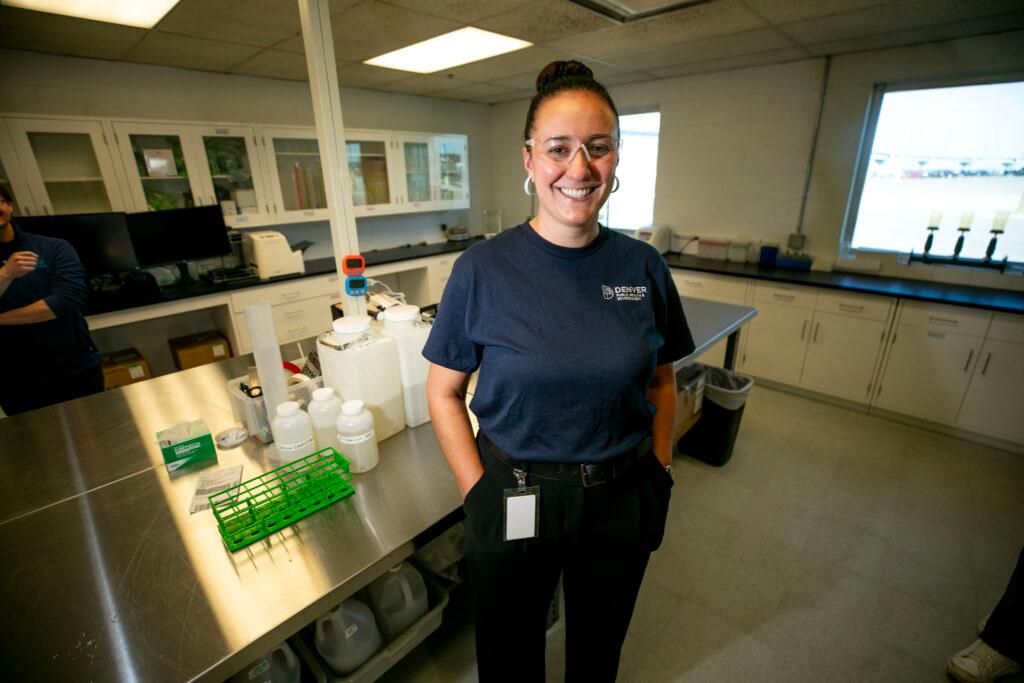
{"x": 582, "y": 474}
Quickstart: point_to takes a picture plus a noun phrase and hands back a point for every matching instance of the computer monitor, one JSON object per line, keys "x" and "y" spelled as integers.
{"x": 178, "y": 235}
{"x": 100, "y": 239}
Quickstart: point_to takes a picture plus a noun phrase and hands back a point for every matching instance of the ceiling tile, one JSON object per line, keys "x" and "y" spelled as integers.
{"x": 56, "y": 34}
{"x": 249, "y": 22}
{"x": 718, "y": 47}
{"x": 373, "y": 28}
{"x": 791, "y": 54}
{"x": 462, "y": 11}
{"x": 690, "y": 23}
{"x": 424, "y": 84}
{"x": 509, "y": 96}
{"x": 524, "y": 81}
{"x": 624, "y": 78}
{"x": 186, "y": 52}
{"x": 359, "y": 75}
{"x": 509, "y": 64}
{"x": 471, "y": 91}
{"x": 275, "y": 64}
{"x": 779, "y": 11}
{"x": 546, "y": 20}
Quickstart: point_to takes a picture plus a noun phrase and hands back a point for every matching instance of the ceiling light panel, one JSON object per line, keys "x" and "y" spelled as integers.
{"x": 139, "y": 13}
{"x": 451, "y": 49}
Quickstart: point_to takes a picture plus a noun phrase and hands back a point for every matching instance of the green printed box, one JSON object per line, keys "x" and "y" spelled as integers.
{"x": 186, "y": 443}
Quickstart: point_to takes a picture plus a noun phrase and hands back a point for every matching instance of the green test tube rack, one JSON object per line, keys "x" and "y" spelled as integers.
{"x": 268, "y": 503}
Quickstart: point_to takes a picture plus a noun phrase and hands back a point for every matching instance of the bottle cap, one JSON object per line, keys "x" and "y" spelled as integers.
{"x": 323, "y": 394}
{"x": 401, "y": 313}
{"x": 351, "y": 408}
{"x": 287, "y": 409}
{"x": 351, "y": 324}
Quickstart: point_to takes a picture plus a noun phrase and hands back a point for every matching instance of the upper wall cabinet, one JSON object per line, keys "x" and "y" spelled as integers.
{"x": 371, "y": 164}
{"x": 452, "y": 159}
{"x": 66, "y": 165}
{"x": 161, "y": 165}
{"x": 231, "y": 175}
{"x": 12, "y": 178}
{"x": 291, "y": 156}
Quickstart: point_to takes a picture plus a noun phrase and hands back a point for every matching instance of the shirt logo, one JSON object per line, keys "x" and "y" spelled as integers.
{"x": 624, "y": 293}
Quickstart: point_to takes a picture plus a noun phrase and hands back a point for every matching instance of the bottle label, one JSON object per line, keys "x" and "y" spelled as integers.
{"x": 351, "y": 631}
{"x": 293, "y": 447}
{"x": 358, "y": 438}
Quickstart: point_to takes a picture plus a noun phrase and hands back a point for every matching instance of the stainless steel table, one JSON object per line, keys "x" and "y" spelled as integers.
{"x": 108, "y": 577}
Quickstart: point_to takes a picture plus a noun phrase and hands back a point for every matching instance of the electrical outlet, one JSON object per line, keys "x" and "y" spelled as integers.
{"x": 795, "y": 241}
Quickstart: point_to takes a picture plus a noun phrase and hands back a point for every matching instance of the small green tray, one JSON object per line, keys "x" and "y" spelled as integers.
{"x": 268, "y": 503}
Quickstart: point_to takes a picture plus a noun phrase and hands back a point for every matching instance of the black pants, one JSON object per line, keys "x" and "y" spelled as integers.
{"x": 598, "y": 538}
{"x": 1006, "y": 624}
{"x": 21, "y": 397}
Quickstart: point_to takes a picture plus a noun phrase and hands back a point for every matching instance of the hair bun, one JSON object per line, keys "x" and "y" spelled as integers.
{"x": 557, "y": 71}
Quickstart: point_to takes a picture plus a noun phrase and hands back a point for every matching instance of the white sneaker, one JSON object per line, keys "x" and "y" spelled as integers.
{"x": 979, "y": 663}
{"x": 982, "y": 624}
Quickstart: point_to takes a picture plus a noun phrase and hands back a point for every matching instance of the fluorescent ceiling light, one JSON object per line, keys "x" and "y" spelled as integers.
{"x": 140, "y": 13}
{"x": 451, "y": 49}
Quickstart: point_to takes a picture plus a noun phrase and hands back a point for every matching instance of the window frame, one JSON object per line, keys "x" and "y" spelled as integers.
{"x": 633, "y": 111}
{"x": 867, "y": 142}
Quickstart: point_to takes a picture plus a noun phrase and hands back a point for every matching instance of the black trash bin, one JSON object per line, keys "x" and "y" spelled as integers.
{"x": 714, "y": 435}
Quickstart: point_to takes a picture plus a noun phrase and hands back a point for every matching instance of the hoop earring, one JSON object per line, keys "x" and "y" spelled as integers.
{"x": 526, "y": 186}
{"x": 615, "y": 187}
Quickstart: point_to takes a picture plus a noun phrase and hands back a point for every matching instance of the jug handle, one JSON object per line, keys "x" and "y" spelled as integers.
{"x": 407, "y": 592}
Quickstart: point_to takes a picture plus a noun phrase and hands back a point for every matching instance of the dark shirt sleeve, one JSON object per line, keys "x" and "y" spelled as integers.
{"x": 449, "y": 344}
{"x": 669, "y": 316}
{"x": 66, "y": 280}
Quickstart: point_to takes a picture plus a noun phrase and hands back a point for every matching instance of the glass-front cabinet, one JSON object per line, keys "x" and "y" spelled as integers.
{"x": 230, "y": 176}
{"x": 161, "y": 166}
{"x": 11, "y": 175}
{"x": 292, "y": 156}
{"x": 418, "y": 177}
{"x": 370, "y": 170}
{"x": 67, "y": 166}
{"x": 452, "y": 159}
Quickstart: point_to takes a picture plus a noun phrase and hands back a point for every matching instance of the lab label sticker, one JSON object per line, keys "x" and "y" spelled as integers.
{"x": 218, "y": 350}
{"x": 522, "y": 507}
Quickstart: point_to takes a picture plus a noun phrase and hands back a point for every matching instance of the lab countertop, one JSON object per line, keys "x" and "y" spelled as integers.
{"x": 108, "y": 576}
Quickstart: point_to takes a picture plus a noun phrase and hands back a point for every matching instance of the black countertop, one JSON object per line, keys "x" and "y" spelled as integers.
{"x": 127, "y": 299}
{"x": 921, "y": 290}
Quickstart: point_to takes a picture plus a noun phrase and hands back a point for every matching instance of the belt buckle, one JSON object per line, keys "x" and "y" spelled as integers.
{"x": 585, "y": 478}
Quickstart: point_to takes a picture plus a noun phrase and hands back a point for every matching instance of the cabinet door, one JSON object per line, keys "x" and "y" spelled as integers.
{"x": 992, "y": 404}
{"x": 12, "y": 178}
{"x": 231, "y": 174}
{"x": 67, "y": 164}
{"x": 452, "y": 161}
{"x": 927, "y": 371}
{"x": 160, "y": 165}
{"x": 417, "y": 173}
{"x": 841, "y": 355}
{"x": 370, "y": 170}
{"x": 292, "y": 157}
{"x": 776, "y": 342}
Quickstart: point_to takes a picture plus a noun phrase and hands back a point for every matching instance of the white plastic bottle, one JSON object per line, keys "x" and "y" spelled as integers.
{"x": 347, "y": 636}
{"x": 324, "y": 410}
{"x": 404, "y": 324}
{"x": 280, "y": 665}
{"x": 362, "y": 363}
{"x": 356, "y": 436}
{"x": 398, "y": 598}
{"x": 293, "y": 432}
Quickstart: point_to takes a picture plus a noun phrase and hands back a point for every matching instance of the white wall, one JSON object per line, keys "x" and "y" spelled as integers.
{"x": 734, "y": 145}
{"x": 36, "y": 83}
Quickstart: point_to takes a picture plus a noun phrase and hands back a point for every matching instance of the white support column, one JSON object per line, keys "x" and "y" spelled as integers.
{"x": 330, "y": 133}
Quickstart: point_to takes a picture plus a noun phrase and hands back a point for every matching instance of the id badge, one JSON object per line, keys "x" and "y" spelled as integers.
{"x": 521, "y": 506}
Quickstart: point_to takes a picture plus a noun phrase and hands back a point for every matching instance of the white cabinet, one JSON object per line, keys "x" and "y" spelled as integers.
{"x": 452, "y": 160}
{"x": 440, "y": 270}
{"x": 371, "y": 168}
{"x": 301, "y": 308}
{"x": 418, "y": 171}
{"x": 721, "y": 288}
{"x": 160, "y": 165}
{"x": 291, "y": 156}
{"x": 230, "y": 173}
{"x": 67, "y": 166}
{"x": 12, "y": 178}
{"x": 777, "y": 337}
{"x": 992, "y": 404}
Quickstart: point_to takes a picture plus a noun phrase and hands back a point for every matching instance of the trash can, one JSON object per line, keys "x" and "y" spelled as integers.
{"x": 712, "y": 438}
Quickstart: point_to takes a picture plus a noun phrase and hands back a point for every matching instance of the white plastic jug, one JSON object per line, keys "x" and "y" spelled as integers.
{"x": 347, "y": 636}
{"x": 360, "y": 363}
{"x": 323, "y": 411}
{"x": 293, "y": 432}
{"x": 404, "y": 324}
{"x": 280, "y": 665}
{"x": 355, "y": 435}
{"x": 398, "y": 598}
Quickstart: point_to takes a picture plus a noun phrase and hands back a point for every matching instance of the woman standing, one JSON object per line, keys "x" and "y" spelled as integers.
{"x": 574, "y": 329}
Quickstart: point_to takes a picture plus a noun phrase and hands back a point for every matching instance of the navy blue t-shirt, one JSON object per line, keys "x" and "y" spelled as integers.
{"x": 56, "y": 347}
{"x": 567, "y": 341}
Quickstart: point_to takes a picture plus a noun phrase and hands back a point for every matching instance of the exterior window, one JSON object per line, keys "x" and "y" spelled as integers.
{"x": 632, "y": 206}
{"x": 951, "y": 157}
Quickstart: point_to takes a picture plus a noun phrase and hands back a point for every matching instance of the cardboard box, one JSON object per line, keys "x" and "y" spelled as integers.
{"x": 198, "y": 349}
{"x": 689, "y": 400}
{"x": 126, "y": 366}
{"x": 186, "y": 443}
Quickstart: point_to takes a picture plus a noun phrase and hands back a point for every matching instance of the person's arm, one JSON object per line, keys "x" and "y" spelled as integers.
{"x": 662, "y": 393}
{"x": 22, "y": 263}
{"x": 35, "y": 312}
{"x": 446, "y": 399}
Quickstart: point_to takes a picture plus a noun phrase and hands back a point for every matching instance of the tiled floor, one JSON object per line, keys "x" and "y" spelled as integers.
{"x": 834, "y": 546}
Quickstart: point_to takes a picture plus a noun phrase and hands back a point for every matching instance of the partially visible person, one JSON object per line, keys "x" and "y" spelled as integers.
{"x": 1000, "y": 649}
{"x": 48, "y": 354}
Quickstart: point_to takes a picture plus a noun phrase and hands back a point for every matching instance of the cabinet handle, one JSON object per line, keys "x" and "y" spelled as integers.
{"x": 783, "y": 297}
{"x": 851, "y": 308}
{"x": 969, "y": 357}
{"x": 296, "y": 330}
{"x": 28, "y": 210}
{"x": 984, "y": 368}
{"x": 943, "y": 321}
{"x": 803, "y": 331}
{"x": 817, "y": 328}
{"x": 291, "y": 295}
{"x": 49, "y": 211}
{"x": 294, "y": 314}
{"x": 694, "y": 284}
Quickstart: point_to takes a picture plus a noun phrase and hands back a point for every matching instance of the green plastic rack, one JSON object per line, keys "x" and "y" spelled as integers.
{"x": 268, "y": 503}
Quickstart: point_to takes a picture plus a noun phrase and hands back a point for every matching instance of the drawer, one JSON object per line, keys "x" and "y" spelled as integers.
{"x": 785, "y": 295}
{"x": 854, "y": 305}
{"x": 941, "y": 317}
{"x": 1007, "y": 328}
{"x": 286, "y": 292}
{"x": 287, "y": 313}
{"x": 294, "y": 330}
{"x": 707, "y": 285}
